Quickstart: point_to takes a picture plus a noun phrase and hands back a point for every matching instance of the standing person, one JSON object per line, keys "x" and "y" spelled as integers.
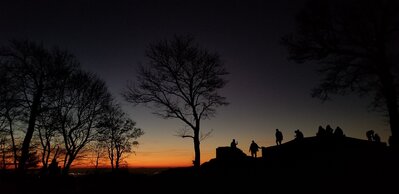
{"x": 279, "y": 137}
{"x": 370, "y": 135}
{"x": 298, "y": 135}
{"x": 339, "y": 132}
{"x": 253, "y": 148}
{"x": 233, "y": 144}
{"x": 321, "y": 132}
{"x": 329, "y": 130}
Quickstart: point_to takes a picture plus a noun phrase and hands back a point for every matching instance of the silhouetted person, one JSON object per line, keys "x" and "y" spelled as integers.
{"x": 370, "y": 135}
{"x": 329, "y": 130}
{"x": 338, "y": 132}
{"x": 233, "y": 144}
{"x": 279, "y": 137}
{"x": 253, "y": 148}
{"x": 321, "y": 131}
{"x": 377, "y": 138}
{"x": 298, "y": 134}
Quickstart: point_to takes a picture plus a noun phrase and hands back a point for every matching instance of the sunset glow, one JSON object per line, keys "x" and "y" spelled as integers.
{"x": 265, "y": 90}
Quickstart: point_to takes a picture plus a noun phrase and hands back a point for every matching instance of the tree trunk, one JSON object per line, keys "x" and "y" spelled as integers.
{"x": 117, "y": 163}
{"x": 97, "y": 159}
{"x": 67, "y": 167}
{"x": 3, "y": 166}
{"x": 44, "y": 163}
{"x": 65, "y": 159}
{"x": 14, "y": 148}
{"x": 111, "y": 158}
{"x": 386, "y": 77}
{"x": 65, "y": 170}
{"x": 390, "y": 95}
{"x": 34, "y": 111}
{"x": 394, "y": 123}
{"x": 48, "y": 152}
{"x": 197, "y": 160}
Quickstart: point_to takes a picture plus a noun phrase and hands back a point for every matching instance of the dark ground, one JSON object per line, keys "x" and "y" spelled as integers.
{"x": 248, "y": 180}
{"x": 343, "y": 167}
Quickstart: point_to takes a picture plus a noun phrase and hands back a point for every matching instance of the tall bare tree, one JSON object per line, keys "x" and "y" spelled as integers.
{"x": 356, "y": 44}
{"x": 48, "y": 137}
{"x": 118, "y": 134}
{"x": 83, "y": 100}
{"x": 181, "y": 80}
{"x": 35, "y": 71}
{"x": 10, "y": 110}
{"x": 3, "y": 150}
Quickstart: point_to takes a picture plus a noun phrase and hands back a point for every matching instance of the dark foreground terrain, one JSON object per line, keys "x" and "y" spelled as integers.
{"x": 310, "y": 166}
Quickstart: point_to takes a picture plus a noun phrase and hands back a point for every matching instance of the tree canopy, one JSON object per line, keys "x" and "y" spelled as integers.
{"x": 181, "y": 80}
{"x": 356, "y": 44}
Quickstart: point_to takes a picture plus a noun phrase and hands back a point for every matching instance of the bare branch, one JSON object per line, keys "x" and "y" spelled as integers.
{"x": 206, "y": 135}
{"x": 184, "y": 133}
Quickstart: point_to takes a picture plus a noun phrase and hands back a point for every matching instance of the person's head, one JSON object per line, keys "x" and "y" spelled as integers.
{"x": 253, "y": 141}
{"x": 276, "y": 129}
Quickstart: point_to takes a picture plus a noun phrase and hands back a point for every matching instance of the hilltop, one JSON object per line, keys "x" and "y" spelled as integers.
{"x": 326, "y": 164}
{"x": 310, "y": 165}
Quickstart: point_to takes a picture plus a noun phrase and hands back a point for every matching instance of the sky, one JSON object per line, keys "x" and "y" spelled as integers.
{"x": 265, "y": 90}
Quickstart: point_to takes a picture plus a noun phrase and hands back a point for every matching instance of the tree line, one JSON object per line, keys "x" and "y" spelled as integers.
{"x": 52, "y": 109}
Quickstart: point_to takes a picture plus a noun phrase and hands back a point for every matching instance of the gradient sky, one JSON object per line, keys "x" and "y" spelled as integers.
{"x": 266, "y": 91}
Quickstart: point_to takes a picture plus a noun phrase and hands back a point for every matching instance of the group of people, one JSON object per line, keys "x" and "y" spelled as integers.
{"x": 328, "y": 131}
{"x": 254, "y": 147}
{"x": 279, "y": 136}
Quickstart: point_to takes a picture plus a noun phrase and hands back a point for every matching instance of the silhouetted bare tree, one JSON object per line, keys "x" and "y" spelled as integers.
{"x": 98, "y": 152}
{"x": 83, "y": 101}
{"x": 356, "y": 42}
{"x": 48, "y": 137}
{"x": 181, "y": 80}
{"x": 35, "y": 72}
{"x": 10, "y": 110}
{"x": 3, "y": 150}
{"x": 118, "y": 134}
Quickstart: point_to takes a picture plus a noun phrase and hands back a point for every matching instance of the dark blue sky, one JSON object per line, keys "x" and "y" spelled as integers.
{"x": 266, "y": 91}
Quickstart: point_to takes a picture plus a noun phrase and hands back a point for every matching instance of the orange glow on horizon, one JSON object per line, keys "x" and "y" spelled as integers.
{"x": 162, "y": 159}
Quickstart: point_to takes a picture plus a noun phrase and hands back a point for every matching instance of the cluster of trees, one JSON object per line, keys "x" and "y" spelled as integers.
{"x": 52, "y": 109}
